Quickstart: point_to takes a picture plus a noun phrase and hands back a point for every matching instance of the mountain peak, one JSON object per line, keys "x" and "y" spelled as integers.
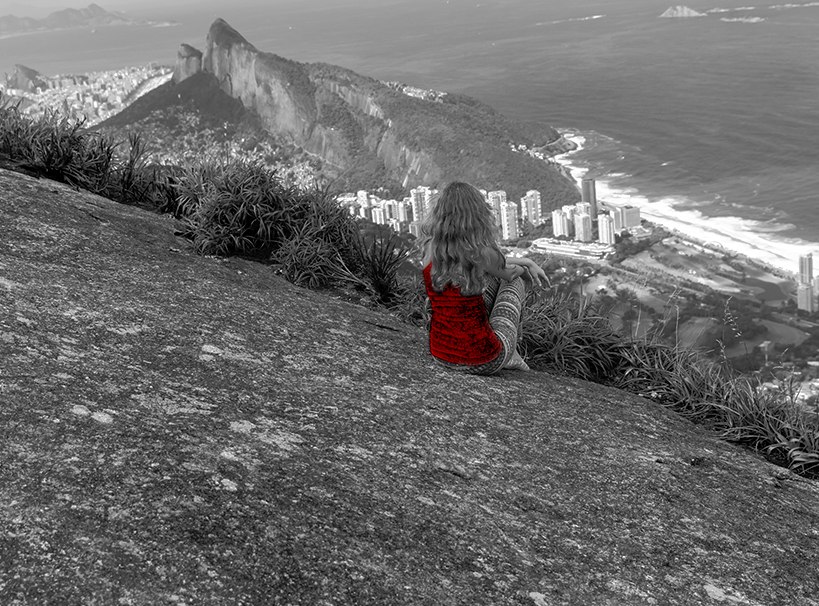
{"x": 221, "y": 32}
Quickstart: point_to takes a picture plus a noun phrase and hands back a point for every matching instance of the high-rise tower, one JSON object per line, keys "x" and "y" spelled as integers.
{"x": 806, "y": 295}
{"x": 589, "y": 194}
{"x": 806, "y": 269}
{"x": 530, "y": 205}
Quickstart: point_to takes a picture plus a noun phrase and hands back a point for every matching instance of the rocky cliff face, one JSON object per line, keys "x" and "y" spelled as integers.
{"x": 350, "y": 120}
{"x": 25, "y": 78}
{"x": 188, "y": 63}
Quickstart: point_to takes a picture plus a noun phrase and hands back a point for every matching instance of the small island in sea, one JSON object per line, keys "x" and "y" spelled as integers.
{"x": 680, "y": 11}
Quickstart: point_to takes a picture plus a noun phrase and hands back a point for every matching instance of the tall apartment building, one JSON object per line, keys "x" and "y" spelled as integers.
{"x": 583, "y": 228}
{"x": 805, "y": 293}
{"x": 805, "y": 299}
{"x": 605, "y": 227}
{"x": 495, "y": 199}
{"x": 530, "y": 205}
{"x": 631, "y": 216}
{"x": 806, "y": 269}
{"x": 588, "y": 194}
{"x": 363, "y": 197}
{"x": 561, "y": 223}
{"x": 390, "y": 209}
{"x": 418, "y": 208}
{"x": 625, "y": 217}
{"x": 402, "y": 211}
{"x": 617, "y": 218}
{"x": 379, "y": 215}
{"x": 509, "y": 220}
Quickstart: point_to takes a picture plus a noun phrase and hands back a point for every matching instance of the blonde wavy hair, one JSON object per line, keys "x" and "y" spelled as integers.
{"x": 456, "y": 237}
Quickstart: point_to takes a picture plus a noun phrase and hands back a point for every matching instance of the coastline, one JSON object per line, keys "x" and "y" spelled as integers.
{"x": 88, "y": 26}
{"x": 733, "y": 235}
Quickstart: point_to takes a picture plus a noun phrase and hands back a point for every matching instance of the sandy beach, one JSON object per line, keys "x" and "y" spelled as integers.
{"x": 752, "y": 239}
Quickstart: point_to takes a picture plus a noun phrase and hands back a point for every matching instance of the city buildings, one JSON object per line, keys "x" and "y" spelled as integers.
{"x": 605, "y": 229}
{"x": 583, "y": 208}
{"x": 578, "y": 220}
{"x": 509, "y": 220}
{"x": 562, "y": 225}
{"x": 408, "y": 214}
{"x": 416, "y": 201}
{"x": 805, "y": 299}
{"x": 630, "y": 216}
{"x": 805, "y": 292}
{"x": 530, "y": 205}
{"x": 583, "y": 227}
{"x": 588, "y": 194}
{"x": 495, "y": 199}
{"x": 403, "y": 211}
{"x": 379, "y": 215}
{"x": 806, "y": 269}
{"x": 94, "y": 96}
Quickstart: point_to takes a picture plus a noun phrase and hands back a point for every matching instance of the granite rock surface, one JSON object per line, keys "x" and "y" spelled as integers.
{"x": 179, "y": 429}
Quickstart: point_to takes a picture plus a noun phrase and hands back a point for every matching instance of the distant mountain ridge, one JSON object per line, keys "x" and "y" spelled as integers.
{"x": 367, "y": 132}
{"x": 91, "y": 16}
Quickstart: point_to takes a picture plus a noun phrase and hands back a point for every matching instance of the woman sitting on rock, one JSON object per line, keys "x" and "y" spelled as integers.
{"x": 476, "y": 294}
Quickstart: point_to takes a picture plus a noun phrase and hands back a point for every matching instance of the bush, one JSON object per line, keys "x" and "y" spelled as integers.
{"x": 377, "y": 260}
{"x": 306, "y": 259}
{"x": 410, "y": 305}
{"x": 561, "y": 332}
{"x": 55, "y": 147}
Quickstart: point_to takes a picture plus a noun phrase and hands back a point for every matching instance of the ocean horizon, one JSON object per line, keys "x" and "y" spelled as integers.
{"x": 706, "y": 123}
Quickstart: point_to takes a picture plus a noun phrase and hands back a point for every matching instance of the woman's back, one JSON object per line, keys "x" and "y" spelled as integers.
{"x": 459, "y": 331}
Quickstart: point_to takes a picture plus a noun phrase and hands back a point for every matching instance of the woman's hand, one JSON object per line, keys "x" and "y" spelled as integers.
{"x": 532, "y": 272}
{"x": 536, "y": 274}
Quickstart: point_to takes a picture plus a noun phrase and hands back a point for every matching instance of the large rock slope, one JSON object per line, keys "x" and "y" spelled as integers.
{"x": 180, "y": 429}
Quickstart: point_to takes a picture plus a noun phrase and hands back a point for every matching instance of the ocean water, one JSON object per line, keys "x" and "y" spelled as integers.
{"x": 709, "y": 124}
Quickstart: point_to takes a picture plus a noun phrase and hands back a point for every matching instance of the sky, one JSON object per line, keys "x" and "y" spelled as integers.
{"x": 41, "y": 8}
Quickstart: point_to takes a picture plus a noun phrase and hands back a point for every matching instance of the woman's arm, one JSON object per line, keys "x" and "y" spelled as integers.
{"x": 532, "y": 270}
{"x": 491, "y": 264}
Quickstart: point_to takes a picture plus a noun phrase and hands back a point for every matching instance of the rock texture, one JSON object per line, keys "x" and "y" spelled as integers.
{"x": 189, "y": 430}
{"x": 188, "y": 63}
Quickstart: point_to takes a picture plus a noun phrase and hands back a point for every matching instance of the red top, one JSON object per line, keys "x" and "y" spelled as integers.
{"x": 460, "y": 331}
